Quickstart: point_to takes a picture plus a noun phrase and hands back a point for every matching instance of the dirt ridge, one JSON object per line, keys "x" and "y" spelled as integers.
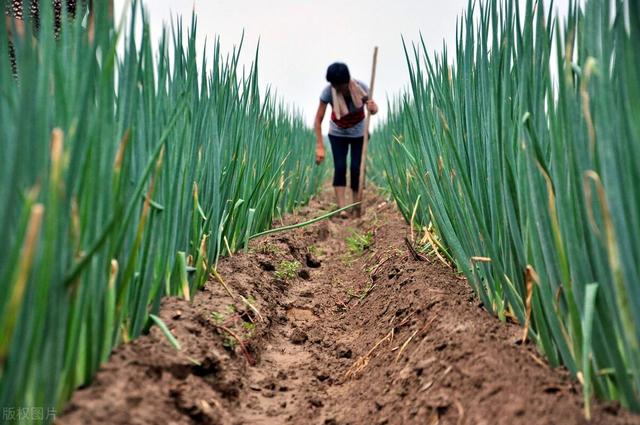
{"x": 372, "y": 337}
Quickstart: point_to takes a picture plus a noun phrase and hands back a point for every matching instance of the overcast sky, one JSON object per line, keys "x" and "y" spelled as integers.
{"x": 300, "y": 38}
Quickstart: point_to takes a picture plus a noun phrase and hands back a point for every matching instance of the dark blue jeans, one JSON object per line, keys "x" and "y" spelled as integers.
{"x": 340, "y": 149}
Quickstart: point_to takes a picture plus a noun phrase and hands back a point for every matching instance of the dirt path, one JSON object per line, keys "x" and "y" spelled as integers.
{"x": 371, "y": 337}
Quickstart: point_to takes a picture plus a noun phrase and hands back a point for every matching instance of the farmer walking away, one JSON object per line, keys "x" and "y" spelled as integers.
{"x": 348, "y": 97}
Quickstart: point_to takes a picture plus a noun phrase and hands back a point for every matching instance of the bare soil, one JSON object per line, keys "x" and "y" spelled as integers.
{"x": 372, "y": 337}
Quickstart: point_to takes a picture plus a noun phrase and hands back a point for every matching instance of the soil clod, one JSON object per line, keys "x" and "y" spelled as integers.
{"x": 343, "y": 352}
{"x": 304, "y": 274}
{"x": 298, "y": 336}
{"x": 312, "y": 261}
{"x": 316, "y": 401}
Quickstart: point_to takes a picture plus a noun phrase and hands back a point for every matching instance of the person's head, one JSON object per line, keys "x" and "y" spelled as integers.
{"x": 338, "y": 76}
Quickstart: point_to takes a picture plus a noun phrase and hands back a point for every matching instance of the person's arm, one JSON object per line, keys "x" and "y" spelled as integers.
{"x": 372, "y": 106}
{"x": 322, "y": 108}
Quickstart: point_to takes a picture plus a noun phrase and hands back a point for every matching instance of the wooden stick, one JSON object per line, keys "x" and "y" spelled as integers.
{"x": 365, "y": 144}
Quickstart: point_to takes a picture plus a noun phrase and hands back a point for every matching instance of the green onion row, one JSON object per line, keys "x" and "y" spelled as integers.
{"x": 522, "y": 149}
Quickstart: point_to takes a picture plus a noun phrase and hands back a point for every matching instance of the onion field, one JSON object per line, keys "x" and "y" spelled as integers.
{"x": 136, "y": 175}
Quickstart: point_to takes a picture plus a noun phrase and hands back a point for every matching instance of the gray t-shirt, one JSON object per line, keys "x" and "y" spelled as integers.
{"x": 334, "y": 130}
